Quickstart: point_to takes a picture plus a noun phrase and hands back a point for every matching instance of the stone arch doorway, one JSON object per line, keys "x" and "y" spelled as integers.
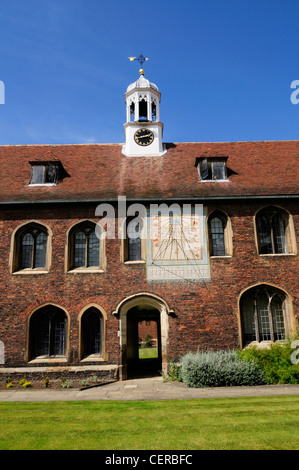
{"x": 131, "y": 311}
{"x": 141, "y": 359}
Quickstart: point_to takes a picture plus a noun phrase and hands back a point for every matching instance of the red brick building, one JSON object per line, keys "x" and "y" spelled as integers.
{"x": 72, "y": 300}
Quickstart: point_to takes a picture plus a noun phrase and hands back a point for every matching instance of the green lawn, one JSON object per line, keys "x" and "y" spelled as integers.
{"x": 233, "y": 423}
{"x": 148, "y": 353}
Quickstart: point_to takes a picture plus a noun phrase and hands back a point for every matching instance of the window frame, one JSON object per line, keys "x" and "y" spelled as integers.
{"x": 86, "y": 241}
{"x": 289, "y": 232}
{"x": 16, "y": 250}
{"x": 70, "y": 247}
{"x": 103, "y": 355}
{"x": 251, "y": 296}
{"x": 227, "y": 234}
{"x": 46, "y": 166}
{"x": 34, "y": 321}
{"x": 210, "y": 161}
{"x": 125, "y": 243}
{"x": 33, "y": 254}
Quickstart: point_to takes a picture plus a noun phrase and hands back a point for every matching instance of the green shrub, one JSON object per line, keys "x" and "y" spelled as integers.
{"x": 148, "y": 341}
{"x": 66, "y": 383}
{"x": 275, "y": 362}
{"x": 83, "y": 383}
{"x": 93, "y": 378}
{"x": 174, "y": 373}
{"x": 219, "y": 369}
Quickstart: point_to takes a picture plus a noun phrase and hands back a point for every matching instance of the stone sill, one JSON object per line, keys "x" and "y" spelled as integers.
{"x": 30, "y": 271}
{"x": 134, "y": 262}
{"x": 85, "y": 271}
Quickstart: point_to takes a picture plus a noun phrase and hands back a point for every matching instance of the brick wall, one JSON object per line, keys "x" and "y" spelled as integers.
{"x": 205, "y": 313}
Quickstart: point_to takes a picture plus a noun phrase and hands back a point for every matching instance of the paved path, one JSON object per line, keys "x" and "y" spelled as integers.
{"x": 146, "y": 389}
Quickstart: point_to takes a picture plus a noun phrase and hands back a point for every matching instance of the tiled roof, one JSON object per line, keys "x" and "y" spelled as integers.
{"x": 102, "y": 172}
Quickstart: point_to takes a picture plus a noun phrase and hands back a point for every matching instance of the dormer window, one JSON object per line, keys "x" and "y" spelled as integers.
{"x": 46, "y": 173}
{"x": 212, "y": 169}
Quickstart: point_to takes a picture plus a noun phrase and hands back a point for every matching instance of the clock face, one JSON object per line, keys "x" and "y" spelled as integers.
{"x": 143, "y": 137}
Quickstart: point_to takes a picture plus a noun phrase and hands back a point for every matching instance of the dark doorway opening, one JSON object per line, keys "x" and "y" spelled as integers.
{"x": 144, "y": 358}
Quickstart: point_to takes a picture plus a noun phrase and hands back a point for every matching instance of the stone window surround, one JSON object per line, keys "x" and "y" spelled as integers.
{"x": 69, "y": 252}
{"x": 14, "y": 256}
{"x": 290, "y": 320}
{"x": 290, "y": 232}
{"x": 63, "y": 359}
{"x": 228, "y": 233}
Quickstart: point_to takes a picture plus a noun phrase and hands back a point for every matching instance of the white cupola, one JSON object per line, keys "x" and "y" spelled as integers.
{"x": 143, "y": 129}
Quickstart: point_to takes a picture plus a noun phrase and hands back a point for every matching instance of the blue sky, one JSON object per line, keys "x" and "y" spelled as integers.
{"x": 224, "y": 68}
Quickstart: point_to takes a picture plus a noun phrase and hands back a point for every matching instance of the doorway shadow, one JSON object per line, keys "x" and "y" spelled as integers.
{"x": 143, "y": 336}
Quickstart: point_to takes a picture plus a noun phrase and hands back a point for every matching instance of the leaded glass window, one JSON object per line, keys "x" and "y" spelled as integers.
{"x": 263, "y": 315}
{"x": 86, "y": 247}
{"x": 217, "y": 236}
{"x": 134, "y": 241}
{"x": 271, "y": 228}
{"x": 48, "y": 332}
{"x": 33, "y": 249}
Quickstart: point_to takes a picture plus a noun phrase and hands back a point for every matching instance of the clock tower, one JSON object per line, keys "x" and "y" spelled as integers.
{"x": 143, "y": 129}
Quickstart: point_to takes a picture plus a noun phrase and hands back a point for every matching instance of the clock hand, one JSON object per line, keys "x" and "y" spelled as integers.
{"x": 146, "y": 135}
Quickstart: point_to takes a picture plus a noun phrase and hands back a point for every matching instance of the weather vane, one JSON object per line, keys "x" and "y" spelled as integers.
{"x": 141, "y": 59}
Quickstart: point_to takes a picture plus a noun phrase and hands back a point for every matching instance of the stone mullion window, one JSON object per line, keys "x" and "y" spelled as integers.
{"x": 86, "y": 251}
{"x": 263, "y": 315}
{"x": 272, "y": 228}
{"x": 33, "y": 249}
{"x": 256, "y": 322}
{"x": 48, "y": 333}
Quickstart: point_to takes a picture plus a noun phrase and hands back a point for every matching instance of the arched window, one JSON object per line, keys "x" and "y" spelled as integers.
{"x": 48, "y": 332}
{"x": 132, "y": 240}
{"x": 84, "y": 246}
{"x": 219, "y": 234}
{"x": 273, "y": 231}
{"x": 92, "y": 328}
{"x": 30, "y": 248}
{"x": 143, "y": 110}
{"x": 33, "y": 244}
{"x": 263, "y": 315}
